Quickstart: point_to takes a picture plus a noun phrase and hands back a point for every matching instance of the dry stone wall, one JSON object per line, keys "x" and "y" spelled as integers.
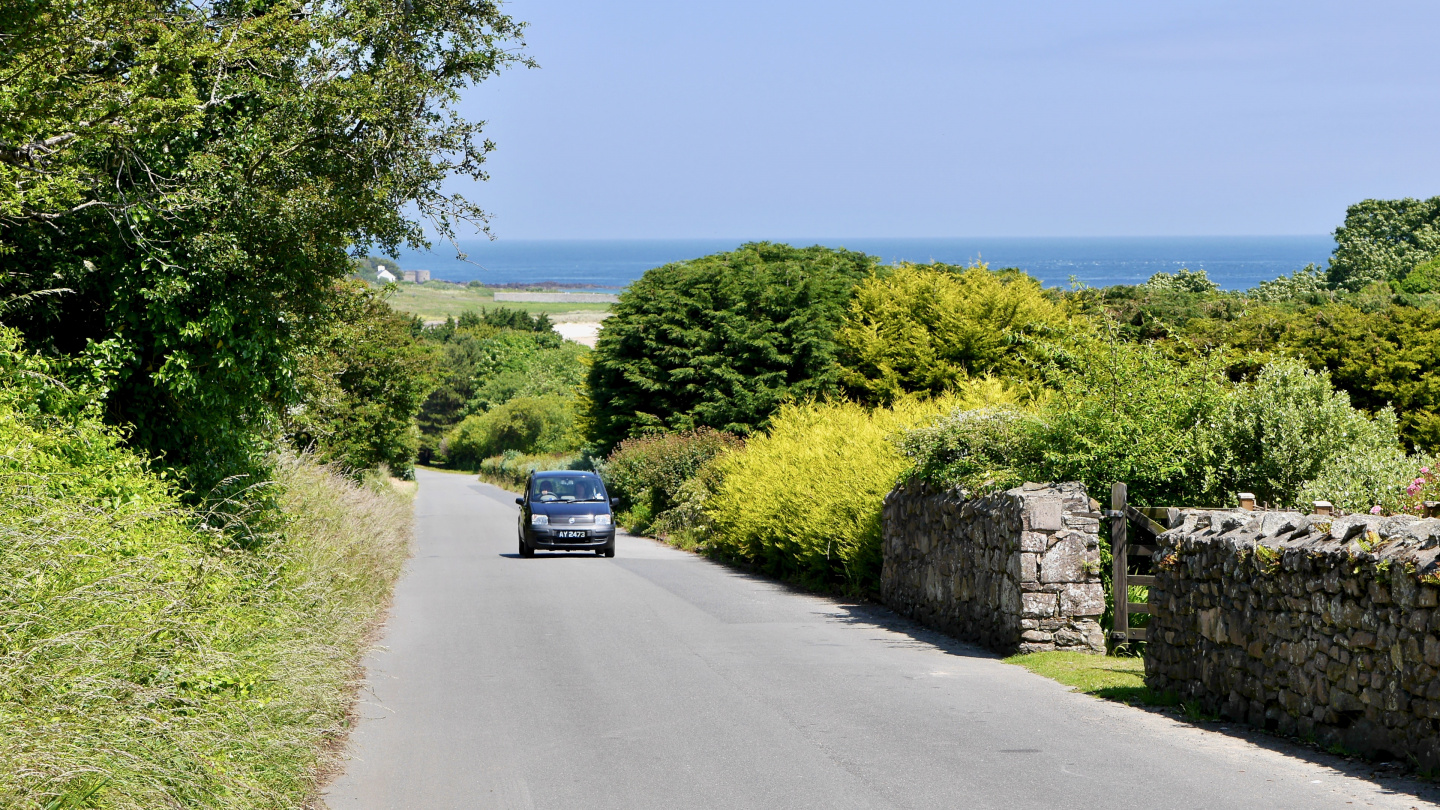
{"x": 1304, "y": 624}
{"x": 1016, "y": 571}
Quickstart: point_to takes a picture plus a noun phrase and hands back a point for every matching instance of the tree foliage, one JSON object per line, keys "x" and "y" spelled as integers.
{"x": 1383, "y": 240}
{"x": 1386, "y": 358}
{"x": 1184, "y": 280}
{"x": 485, "y": 367}
{"x": 720, "y": 341}
{"x": 361, "y": 384}
{"x": 928, "y": 328}
{"x": 527, "y": 425}
{"x": 195, "y": 174}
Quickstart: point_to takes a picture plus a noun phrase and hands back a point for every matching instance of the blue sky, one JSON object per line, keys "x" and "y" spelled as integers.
{"x": 791, "y": 118}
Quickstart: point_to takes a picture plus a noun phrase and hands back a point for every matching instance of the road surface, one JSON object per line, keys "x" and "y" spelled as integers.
{"x": 661, "y": 680}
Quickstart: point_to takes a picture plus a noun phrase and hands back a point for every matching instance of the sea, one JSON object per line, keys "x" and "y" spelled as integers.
{"x": 1233, "y": 262}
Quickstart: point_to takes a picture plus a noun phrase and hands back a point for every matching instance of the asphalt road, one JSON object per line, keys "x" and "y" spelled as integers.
{"x": 661, "y": 680}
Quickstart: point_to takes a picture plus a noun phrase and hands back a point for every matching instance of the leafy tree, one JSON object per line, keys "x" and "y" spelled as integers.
{"x": 1306, "y": 283}
{"x": 195, "y": 175}
{"x": 720, "y": 341}
{"x": 928, "y": 328}
{"x": 361, "y": 385}
{"x": 483, "y": 367}
{"x": 1383, "y": 240}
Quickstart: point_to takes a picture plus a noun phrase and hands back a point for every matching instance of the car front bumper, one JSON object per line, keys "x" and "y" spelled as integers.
{"x": 546, "y": 538}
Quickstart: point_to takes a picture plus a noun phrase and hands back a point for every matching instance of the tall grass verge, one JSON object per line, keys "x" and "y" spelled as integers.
{"x": 152, "y": 659}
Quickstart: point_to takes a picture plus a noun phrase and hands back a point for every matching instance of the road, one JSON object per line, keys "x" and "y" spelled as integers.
{"x": 661, "y": 680}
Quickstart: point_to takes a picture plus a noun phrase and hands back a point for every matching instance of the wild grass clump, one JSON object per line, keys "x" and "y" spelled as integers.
{"x": 152, "y": 656}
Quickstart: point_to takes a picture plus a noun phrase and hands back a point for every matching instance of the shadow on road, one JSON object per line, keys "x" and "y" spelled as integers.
{"x": 1393, "y": 778}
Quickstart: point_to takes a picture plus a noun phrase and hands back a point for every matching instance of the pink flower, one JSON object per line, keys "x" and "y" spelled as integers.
{"x": 1375, "y": 510}
{"x": 1424, "y": 470}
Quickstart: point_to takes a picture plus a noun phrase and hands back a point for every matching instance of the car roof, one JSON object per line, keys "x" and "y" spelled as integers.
{"x": 565, "y": 472}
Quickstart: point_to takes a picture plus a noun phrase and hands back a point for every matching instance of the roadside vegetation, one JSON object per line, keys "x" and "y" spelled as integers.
{"x": 203, "y": 416}
{"x": 1314, "y": 386}
{"x": 156, "y": 655}
{"x": 1117, "y": 678}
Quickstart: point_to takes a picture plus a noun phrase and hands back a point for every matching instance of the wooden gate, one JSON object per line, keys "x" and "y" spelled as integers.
{"x": 1133, "y": 533}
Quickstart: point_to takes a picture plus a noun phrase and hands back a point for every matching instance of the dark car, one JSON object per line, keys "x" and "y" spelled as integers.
{"x": 566, "y": 510}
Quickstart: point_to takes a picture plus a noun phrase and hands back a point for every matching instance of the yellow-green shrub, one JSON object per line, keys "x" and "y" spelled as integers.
{"x": 803, "y": 501}
{"x": 929, "y": 328}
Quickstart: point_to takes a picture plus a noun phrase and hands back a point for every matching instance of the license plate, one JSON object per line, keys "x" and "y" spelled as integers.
{"x": 567, "y": 535}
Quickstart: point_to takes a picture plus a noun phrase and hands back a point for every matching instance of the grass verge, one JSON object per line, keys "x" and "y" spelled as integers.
{"x": 151, "y": 660}
{"x": 1120, "y": 679}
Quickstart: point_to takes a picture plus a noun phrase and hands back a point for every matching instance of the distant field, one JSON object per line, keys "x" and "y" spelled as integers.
{"x": 437, "y": 301}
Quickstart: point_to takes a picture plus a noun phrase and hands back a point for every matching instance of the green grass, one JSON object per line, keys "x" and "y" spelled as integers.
{"x": 1115, "y": 678}
{"x": 436, "y": 301}
{"x": 149, "y": 660}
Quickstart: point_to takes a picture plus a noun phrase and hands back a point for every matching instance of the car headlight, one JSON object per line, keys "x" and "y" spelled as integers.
{"x": 602, "y": 520}
{"x": 539, "y": 520}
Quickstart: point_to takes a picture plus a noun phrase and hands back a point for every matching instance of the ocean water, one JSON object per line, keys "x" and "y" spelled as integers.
{"x": 1234, "y": 262}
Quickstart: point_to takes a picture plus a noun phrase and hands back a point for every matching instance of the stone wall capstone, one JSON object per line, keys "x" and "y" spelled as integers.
{"x": 1305, "y": 624}
{"x": 1015, "y": 571}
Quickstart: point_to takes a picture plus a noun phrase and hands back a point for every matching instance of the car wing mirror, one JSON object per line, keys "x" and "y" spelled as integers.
{"x": 519, "y": 501}
{"x": 614, "y": 501}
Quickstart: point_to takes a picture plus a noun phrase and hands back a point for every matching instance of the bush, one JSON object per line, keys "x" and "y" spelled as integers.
{"x": 1177, "y": 433}
{"x": 1186, "y": 280}
{"x": 1119, "y": 412}
{"x": 647, "y": 473}
{"x": 720, "y": 341}
{"x": 928, "y": 328}
{"x": 1362, "y": 480}
{"x": 1388, "y": 357}
{"x": 1425, "y": 278}
{"x": 803, "y": 500}
{"x": 511, "y": 470}
{"x": 1277, "y": 433}
{"x": 524, "y": 425}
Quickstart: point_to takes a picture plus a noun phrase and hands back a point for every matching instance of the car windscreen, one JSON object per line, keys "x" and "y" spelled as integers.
{"x": 549, "y": 488}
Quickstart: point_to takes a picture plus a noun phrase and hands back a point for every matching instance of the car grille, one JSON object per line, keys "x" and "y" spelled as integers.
{"x": 561, "y": 521}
